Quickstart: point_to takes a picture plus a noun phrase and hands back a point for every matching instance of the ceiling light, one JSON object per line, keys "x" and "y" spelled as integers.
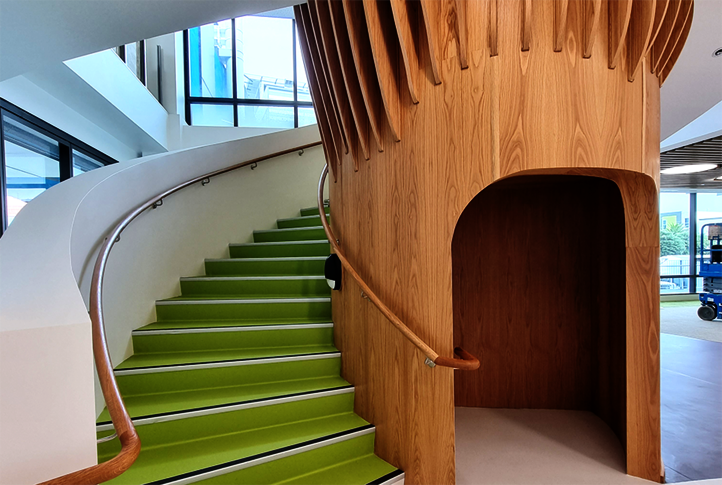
{"x": 698, "y": 167}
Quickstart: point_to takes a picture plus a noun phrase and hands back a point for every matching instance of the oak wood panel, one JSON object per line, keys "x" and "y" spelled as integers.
{"x": 665, "y": 32}
{"x": 385, "y": 51}
{"x": 441, "y": 20}
{"x": 321, "y": 21}
{"x": 641, "y": 25}
{"x": 619, "y": 14}
{"x": 406, "y": 18}
{"x": 493, "y": 27}
{"x": 526, "y": 17}
{"x": 660, "y": 11}
{"x": 323, "y": 73}
{"x": 561, "y": 8}
{"x": 363, "y": 116}
{"x": 429, "y": 11}
{"x": 674, "y": 56}
{"x": 461, "y": 32}
{"x": 592, "y": 14}
{"x": 361, "y": 52}
{"x": 323, "y": 118}
{"x": 677, "y": 29}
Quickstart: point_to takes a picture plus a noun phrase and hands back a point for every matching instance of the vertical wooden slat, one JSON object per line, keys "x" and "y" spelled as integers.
{"x": 360, "y": 111}
{"x": 361, "y": 52}
{"x": 526, "y": 16}
{"x": 561, "y": 9}
{"x": 684, "y": 16}
{"x": 461, "y": 35}
{"x": 619, "y": 13}
{"x": 329, "y": 146}
{"x": 321, "y": 21}
{"x": 592, "y": 13}
{"x": 323, "y": 76}
{"x": 493, "y": 28}
{"x": 429, "y": 10}
{"x": 671, "y": 61}
{"x": 665, "y": 32}
{"x": 384, "y": 49}
{"x": 641, "y": 24}
{"x": 406, "y": 18}
{"x": 660, "y": 11}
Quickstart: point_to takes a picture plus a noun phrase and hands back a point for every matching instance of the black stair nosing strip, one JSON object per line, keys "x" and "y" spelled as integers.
{"x": 253, "y": 359}
{"x": 239, "y": 461}
{"x": 387, "y": 477}
{"x": 218, "y": 406}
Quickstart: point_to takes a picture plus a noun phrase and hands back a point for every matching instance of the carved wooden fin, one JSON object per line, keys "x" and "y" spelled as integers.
{"x": 679, "y": 25}
{"x": 320, "y": 22}
{"x": 384, "y": 50}
{"x": 429, "y": 10}
{"x": 592, "y": 13}
{"x": 526, "y": 16}
{"x": 323, "y": 14}
{"x": 660, "y": 10}
{"x": 361, "y": 53}
{"x": 329, "y": 147}
{"x": 678, "y": 47}
{"x": 493, "y": 28}
{"x": 665, "y": 32}
{"x": 461, "y": 35}
{"x": 639, "y": 34}
{"x": 619, "y": 13}
{"x": 561, "y": 10}
{"x": 407, "y": 24}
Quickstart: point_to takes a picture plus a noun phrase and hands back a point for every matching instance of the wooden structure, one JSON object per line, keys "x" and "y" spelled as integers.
{"x": 488, "y": 155}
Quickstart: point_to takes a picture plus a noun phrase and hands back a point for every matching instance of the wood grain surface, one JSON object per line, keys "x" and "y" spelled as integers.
{"x": 506, "y": 112}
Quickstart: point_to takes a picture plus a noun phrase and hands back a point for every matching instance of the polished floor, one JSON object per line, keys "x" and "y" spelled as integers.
{"x": 691, "y": 408}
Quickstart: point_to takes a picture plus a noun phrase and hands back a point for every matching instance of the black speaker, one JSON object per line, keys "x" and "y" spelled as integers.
{"x": 332, "y": 271}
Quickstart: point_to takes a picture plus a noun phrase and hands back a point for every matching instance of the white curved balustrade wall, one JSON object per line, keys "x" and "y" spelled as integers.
{"x": 48, "y": 396}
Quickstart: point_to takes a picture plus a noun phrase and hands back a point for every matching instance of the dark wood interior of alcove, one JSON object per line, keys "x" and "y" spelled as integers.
{"x": 539, "y": 296}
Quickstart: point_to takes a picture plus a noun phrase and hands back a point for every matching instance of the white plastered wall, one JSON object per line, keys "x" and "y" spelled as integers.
{"x": 48, "y": 401}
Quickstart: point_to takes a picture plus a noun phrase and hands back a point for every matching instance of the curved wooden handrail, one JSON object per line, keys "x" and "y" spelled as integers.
{"x": 467, "y": 361}
{"x": 129, "y": 440}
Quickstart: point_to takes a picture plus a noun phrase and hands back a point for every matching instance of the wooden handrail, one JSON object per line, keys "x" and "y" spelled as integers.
{"x": 129, "y": 440}
{"x": 467, "y": 361}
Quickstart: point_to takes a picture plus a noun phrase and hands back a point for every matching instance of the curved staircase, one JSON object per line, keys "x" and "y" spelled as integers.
{"x": 239, "y": 381}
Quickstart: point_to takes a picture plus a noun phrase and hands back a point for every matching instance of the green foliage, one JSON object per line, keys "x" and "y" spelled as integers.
{"x": 674, "y": 240}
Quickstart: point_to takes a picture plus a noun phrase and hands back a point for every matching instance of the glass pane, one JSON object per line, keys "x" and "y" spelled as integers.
{"x": 83, "y": 163}
{"x": 265, "y": 116}
{"x": 709, "y": 211}
{"x": 674, "y": 233}
{"x": 674, "y": 285}
{"x": 210, "y": 52}
{"x": 306, "y": 116}
{"x": 31, "y": 164}
{"x": 304, "y": 92}
{"x": 212, "y": 115}
{"x": 264, "y": 58}
{"x": 131, "y": 57}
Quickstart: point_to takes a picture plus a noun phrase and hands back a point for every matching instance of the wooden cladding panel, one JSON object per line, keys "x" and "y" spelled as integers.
{"x": 561, "y": 7}
{"x": 510, "y": 112}
{"x": 641, "y": 26}
{"x": 361, "y": 52}
{"x": 526, "y": 18}
{"x": 665, "y": 32}
{"x": 660, "y": 11}
{"x": 680, "y": 22}
{"x": 406, "y": 18}
{"x": 385, "y": 52}
{"x": 461, "y": 32}
{"x": 677, "y": 51}
{"x": 322, "y": 25}
{"x": 363, "y": 117}
{"x": 619, "y": 14}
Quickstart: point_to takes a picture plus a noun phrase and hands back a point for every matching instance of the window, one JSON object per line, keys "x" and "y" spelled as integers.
{"x": 35, "y": 156}
{"x": 247, "y": 72}
{"x": 134, "y": 57}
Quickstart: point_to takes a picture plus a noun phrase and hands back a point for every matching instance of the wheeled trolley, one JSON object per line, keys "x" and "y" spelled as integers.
{"x": 710, "y": 269}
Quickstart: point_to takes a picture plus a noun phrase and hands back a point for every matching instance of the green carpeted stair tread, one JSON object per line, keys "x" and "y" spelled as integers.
{"x": 156, "y": 463}
{"x": 303, "y": 221}
{"x": 244, "y": 309}
{"x": 233, "y": 339}
{"x": 171, "y": 402}
{"x": 291, "y": 234}
{"x": 280, "y": 266}
{"x": 280, "y": 249}
{"x": 313, "y": 211}
{"x": 253, "y": 287}
{"x": 350, "y": 461}
{"x": 179, "y": 358}
{"x": 188, "y": 324}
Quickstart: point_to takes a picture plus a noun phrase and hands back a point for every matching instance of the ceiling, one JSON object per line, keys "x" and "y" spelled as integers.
{"x": 707, "y": 151}
{"x": 36, "y": 34}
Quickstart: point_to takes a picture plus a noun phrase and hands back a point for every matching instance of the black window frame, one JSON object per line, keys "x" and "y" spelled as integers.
{"x": 67, "y": 143}
{"x": 235, "y": 101}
